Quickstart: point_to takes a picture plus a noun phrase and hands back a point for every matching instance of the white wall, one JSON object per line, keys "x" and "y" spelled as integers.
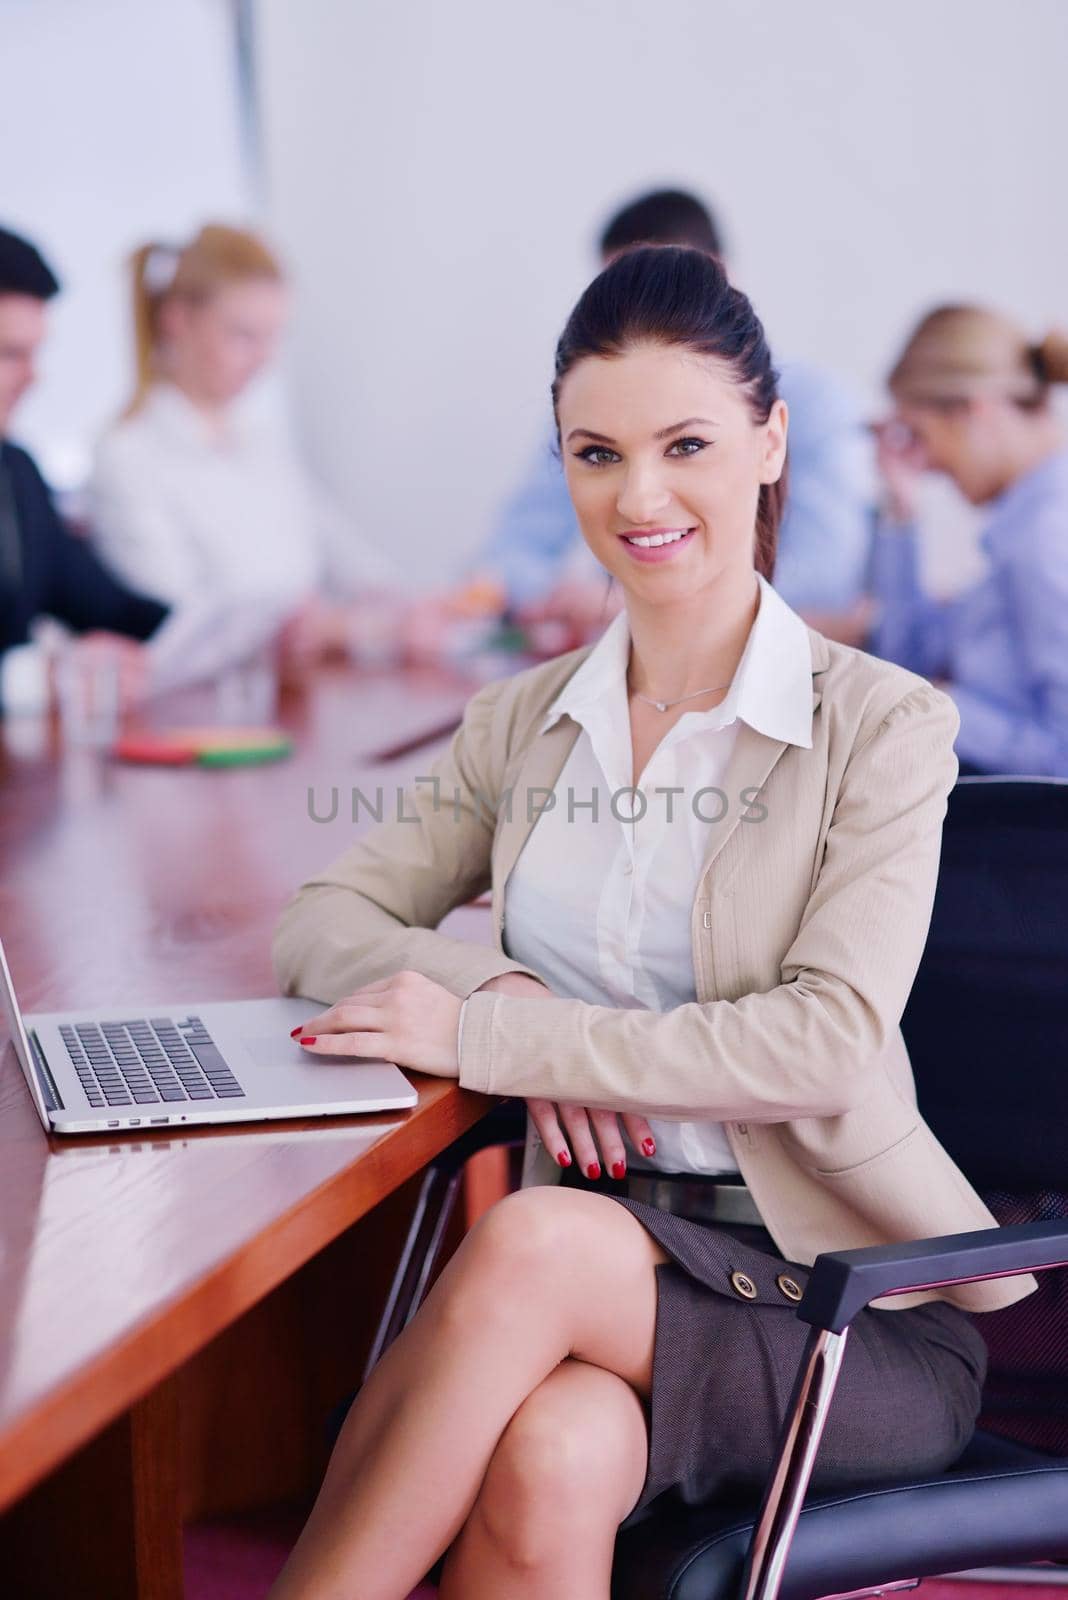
{"x": 436, "y": 172}
{"x": 118, "y": 123}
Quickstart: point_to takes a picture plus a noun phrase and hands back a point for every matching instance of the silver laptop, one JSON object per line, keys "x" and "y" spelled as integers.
{"x": 157, "y": 1066}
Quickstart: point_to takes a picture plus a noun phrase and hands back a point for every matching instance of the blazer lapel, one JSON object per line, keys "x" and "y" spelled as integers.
{"x": 539, "y": 768}
{"x": 752, "y": 759}
{"x": 751, "y": 763}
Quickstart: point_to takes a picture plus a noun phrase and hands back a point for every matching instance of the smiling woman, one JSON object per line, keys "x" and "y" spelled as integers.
{"x": 699, "y": 337}
{"x": 709, "y": 1009}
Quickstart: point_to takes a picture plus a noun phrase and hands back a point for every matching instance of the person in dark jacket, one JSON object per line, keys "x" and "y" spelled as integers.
{"x": 45, "y": 569}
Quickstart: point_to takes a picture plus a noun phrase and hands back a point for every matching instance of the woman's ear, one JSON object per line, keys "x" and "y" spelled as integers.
{"x": 775, "y": 431}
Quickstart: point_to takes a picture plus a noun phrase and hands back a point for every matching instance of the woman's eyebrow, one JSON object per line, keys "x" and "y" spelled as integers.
{"x": 661, "y": 433}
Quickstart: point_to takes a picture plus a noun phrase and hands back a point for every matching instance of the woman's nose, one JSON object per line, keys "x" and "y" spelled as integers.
{"x": 642, "y": 496}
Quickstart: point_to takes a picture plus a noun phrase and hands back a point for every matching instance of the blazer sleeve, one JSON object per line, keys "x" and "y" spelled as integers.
{"x": 807, "y": 1047}
{"x": 375, "y": 910}
{"x": 86, "y": 595}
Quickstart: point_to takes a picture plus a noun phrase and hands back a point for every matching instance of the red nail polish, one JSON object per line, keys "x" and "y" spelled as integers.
{"x": 593, "y": 1170}
{"x": 619, "y": 1169}
{"x": 309, "y": 1038}
{"x": 564, "y": 1158}
{"x": 294, "y": 1031}
{"x": 649, "y": 1147}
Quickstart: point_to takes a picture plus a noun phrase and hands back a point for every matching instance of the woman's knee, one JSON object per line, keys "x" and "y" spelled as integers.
{"x": 512, "y": 1255}
{"x": 533, "y": 1223}
{"x": 571, "y": 1269}
{"x": 572, "y": 1459}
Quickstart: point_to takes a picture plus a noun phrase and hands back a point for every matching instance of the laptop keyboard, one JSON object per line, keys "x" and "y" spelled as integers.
{"x": 148, "y": 1061}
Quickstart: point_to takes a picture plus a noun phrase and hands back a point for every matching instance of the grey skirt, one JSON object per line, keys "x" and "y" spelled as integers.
{"x": 724, "y": 1365}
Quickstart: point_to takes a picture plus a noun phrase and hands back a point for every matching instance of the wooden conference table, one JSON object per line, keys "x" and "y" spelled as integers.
{"x": 178, "y": 1313}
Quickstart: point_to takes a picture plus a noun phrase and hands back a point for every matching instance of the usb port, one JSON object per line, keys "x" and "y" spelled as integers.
{"x": 154, "y": 1121}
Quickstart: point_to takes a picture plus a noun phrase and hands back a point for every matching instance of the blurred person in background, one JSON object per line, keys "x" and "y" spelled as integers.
{"x": 973, "y": 400}
{"x": 535, "y": 565}
{"x": 45, "y": 569}
{"x": 194, "y": 496}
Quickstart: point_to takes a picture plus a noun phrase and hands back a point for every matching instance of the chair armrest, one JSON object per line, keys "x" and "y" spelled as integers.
{"x": 843, "y": 1282}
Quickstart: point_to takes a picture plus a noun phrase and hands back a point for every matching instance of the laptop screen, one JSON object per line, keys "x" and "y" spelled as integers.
{"x": 20, "y": 1039}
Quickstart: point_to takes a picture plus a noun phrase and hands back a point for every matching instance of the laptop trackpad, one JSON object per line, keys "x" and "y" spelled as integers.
{"x": 269, "y": 1051}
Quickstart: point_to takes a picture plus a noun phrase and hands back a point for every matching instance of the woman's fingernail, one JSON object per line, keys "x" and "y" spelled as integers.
{"x": 649, "y": 1147}
{"x": 294, "y": 1031}
{"x": 309, "y": 1038}
{"x": 593, "y": 1170}
{"x": 564, "y": 1158}
{"x": 619, "y": 1169}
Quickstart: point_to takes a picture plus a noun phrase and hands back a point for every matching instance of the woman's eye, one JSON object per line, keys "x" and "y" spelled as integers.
{"x": 688, "y": 447}
{"x": 596, "y": 455}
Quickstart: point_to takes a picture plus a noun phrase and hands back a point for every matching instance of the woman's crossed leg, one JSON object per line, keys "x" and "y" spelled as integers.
{"x": 550, "y": 1302}
{"x": 566, "y": 1471}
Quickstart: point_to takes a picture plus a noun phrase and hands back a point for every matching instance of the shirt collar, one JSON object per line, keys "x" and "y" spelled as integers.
{"x": 166, "y": 404}
{"x": 771, "y": 689}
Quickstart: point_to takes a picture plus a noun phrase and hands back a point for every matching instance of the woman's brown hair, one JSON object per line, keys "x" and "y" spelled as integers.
{"x": 957, "y": 353}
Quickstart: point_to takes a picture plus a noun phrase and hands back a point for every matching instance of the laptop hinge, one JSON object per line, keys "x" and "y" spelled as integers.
{"x": 47, "y": 1083}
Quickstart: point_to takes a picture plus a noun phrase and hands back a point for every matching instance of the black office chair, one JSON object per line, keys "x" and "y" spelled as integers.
{"x": 987, "y": 1030}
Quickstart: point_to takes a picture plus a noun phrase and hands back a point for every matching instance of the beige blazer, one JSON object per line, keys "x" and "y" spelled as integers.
{"x": 808, "y": 925}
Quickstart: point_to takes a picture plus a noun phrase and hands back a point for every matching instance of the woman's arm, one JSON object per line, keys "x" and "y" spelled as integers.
{"x": 911, "y": 628}
{"x": 805, "y": 1048}
{"x": 132, "y": 526}
{"x": 995, "y": 735}
{"x": 372, "y": 913}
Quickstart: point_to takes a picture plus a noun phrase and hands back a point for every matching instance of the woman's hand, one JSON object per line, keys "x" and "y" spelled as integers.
{"x": 580, "y": 1125}
{"x": 407, "y": 1019}
{"x": 901, "y": 459}
{"x": 318, "y": 631}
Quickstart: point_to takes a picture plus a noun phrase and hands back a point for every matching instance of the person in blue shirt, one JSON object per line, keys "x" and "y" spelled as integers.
{"x": 540, "y": 564}
{"x": 974, "y": 401}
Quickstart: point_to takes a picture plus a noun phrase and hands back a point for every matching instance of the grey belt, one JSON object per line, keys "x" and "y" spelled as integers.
{"x": 702, "y": 1200}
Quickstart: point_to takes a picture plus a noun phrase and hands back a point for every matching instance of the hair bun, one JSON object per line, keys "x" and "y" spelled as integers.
{"x": 1051, "y": 356}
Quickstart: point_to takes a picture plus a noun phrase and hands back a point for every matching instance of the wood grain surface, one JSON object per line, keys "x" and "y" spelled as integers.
{"x": 121, "y": 1258}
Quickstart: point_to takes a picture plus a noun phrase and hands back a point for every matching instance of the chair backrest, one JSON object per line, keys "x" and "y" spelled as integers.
{"x": 987, "y": 1030}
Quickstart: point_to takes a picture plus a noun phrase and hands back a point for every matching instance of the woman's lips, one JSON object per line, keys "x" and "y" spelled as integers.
{"x": 653, "y": 553}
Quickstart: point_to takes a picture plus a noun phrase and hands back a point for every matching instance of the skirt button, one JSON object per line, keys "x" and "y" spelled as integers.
{"x": 743, "y": 1285}
{"x": 788, "y": 1287}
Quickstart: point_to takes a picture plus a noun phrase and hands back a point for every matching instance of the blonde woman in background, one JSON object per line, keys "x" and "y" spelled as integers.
{"x": 974, "y": 401}
{"x": 192, "y": 496}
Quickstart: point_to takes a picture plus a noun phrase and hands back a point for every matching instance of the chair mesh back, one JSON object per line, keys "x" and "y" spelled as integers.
{"x": 1026, "y": 1395}
{"x": 987, "y": 1032}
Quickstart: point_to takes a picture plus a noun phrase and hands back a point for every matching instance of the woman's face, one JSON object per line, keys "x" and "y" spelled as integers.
{"x": 659, "y": 444}
{"x": 965, "y": 439}
{"x": 218, "y": 345}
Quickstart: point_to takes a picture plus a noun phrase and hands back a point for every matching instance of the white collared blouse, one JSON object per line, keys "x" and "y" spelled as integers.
{"x": 181, "y": 510}
{"x": 599, "y": 902}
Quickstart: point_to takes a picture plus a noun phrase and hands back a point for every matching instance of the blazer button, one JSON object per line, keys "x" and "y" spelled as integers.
{"x": 743, "y": 1285}
{"x": 788, "y": 1287}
